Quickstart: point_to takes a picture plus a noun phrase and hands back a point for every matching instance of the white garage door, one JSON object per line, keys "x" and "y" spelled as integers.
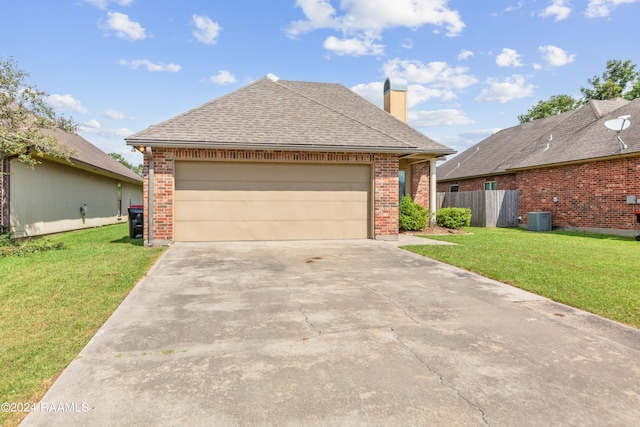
{"x": 215, "y": 201}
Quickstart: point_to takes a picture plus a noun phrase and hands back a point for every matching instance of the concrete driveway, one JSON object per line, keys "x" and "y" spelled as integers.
{"x": 342, "y": 333}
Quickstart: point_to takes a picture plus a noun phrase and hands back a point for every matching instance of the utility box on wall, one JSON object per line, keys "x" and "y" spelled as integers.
{"x": 539, "y": 221}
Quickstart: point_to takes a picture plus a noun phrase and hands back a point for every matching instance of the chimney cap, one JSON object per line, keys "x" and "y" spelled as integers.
{"x": 395, "y": 84}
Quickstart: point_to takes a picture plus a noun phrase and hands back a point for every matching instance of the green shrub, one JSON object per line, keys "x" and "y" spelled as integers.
{"x": 413, "y": 217}
{"x": 454, "y": 217}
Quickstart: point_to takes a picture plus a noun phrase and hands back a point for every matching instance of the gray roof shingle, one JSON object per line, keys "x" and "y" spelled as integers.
{"x": 287, "y": 114}
{"x": 577, "y": 135}
{"x": 91, "y": 157}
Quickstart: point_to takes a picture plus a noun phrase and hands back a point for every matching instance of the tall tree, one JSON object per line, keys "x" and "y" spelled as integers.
{"x": 617, "y": 81}
{"x": 120, "y": 158}
{"x": 556, "y": 104}
{"x": 24, "y": 117}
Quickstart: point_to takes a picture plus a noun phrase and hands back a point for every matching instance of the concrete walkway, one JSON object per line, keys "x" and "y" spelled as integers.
{"x": 342, "y": 333}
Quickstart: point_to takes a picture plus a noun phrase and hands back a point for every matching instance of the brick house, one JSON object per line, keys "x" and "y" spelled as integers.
{"x": 570, "y": 165}
{"x": 285, "y": 160}
{"x": 48, "y": 198}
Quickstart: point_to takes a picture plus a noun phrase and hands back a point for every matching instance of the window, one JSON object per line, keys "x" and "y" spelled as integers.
{"x": 402, "y": 183}
{"x": 490, "y": 185}
{"x": 453, "y": 188}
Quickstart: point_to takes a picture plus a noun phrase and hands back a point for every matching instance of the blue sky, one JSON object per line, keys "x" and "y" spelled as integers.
{"x": 119, "y": 66}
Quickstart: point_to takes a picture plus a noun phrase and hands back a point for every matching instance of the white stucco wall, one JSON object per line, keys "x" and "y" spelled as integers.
{"x": 47, "y": 199}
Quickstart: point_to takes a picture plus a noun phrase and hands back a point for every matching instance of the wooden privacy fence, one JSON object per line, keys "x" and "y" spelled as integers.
{"x": 491, "y": 208}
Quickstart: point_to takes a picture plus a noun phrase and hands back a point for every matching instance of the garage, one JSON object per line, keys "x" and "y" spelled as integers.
{"x": 227, "y": 201}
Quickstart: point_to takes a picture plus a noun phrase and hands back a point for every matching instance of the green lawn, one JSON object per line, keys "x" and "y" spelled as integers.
{"x": 53, "y": 302}
{"x": 597, "y": 273}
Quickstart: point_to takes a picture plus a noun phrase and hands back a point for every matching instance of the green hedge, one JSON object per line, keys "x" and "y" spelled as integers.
{"x": 413, "y": 217}
{"x": 454, "y": 217}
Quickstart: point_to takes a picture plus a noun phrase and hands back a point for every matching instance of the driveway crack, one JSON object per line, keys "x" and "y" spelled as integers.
{"x": 309, "y": 322}
{"x": 392, "y": 302}
{"x": 440, "y": 377}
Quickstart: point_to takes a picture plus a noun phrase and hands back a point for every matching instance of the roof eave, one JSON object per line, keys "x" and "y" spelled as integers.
{"x": 576, "y": 161}
{"x": 287, "y": 147}
{"x": 483, "y": 175}
{"x": 88, "y": 167}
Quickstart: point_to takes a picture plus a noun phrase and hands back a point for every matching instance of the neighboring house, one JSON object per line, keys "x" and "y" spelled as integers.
{"x": 570, "y": 165}
{"x": 284, "y": 160}
{"x": 90, "y": 190}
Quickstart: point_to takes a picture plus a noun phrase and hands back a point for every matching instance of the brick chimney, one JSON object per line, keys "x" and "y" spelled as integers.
{"x": 395, "y": 98}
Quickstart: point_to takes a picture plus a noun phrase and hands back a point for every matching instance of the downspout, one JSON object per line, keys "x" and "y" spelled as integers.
{"x": 433, "y": 194}
{"x": 150, "y": 201}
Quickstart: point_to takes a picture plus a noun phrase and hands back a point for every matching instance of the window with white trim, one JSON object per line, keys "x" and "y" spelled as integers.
{"x": 490, "y": 185}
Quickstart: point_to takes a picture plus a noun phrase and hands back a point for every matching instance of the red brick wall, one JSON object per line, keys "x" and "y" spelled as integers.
{"x": 420, "y": 183}
{"x": 503, "y": 182}
{"x": 386, "y": 194}
{"x": 385, "y": 169}
{"x": 591, "y": 195}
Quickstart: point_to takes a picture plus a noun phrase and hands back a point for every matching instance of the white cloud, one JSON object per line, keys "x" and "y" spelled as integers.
{"x": 447, "y": 117}
{"x": 602, "y": 8}
{"x": 65, "y": 102}
{"x": 104, "y": 4}
{"x": 438, "y": 74}
{"x": 124, "y": 27}
{"x": 407, "y": 44}
{"x": 555, "y": 56}
{"x": 93, "y": 123}
{"x": 416, "y": 94}
{"x": 465, "y": 54}
{"x": 223, "y": 77}
{"x": 206, "y": 30}
{"x": 115, "y": 115}
{"x": 558, "y": 8}
{"x": 353, "y": 46}
{"x": 511, "y": 88}
{"x": 137, "y": 63}
{"x": 94, "y": 127}
{"x": 372, "y": 92}
{"x": 361, "y": 20}
{"x": 508, "y": 58}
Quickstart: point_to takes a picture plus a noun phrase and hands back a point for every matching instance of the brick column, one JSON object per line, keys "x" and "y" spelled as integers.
{"x": 385, "y": 195}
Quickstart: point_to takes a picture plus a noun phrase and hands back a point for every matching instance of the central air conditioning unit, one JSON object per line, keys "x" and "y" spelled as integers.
{"x": 539, "y": 221}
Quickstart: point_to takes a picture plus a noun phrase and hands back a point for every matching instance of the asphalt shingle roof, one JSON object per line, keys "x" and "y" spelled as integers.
{"x": 289, "y": 114}
{"x": 90, "y": 156}
{"x": 577, "y": 135}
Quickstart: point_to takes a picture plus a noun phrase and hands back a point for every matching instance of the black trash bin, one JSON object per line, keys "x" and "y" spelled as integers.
{"x": 136, "y": 221}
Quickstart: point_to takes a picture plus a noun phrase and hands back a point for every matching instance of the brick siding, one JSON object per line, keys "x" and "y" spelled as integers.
{"x": 385, "y": 170}
{"x": 590, "y": 195}
{"x": 420, "y": 183}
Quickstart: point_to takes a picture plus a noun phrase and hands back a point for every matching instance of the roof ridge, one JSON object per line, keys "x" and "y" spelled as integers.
{"x": 174, "y": 118}
{"x": 342, "y": 113}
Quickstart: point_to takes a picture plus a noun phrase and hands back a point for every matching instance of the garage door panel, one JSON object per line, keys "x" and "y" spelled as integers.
{"x": 216, "y": 172}
{"x": 259, "y": 230}
{"x": 270, "y": 186}
{"x": 270, "y": 201}
{"x": 270, "y": 211}
{"x": 347, "y": 196}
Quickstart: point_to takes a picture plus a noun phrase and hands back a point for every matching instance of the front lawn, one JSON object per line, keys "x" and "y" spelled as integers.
{"x": 594, "y": 272}
{"x": 53, "y": 302}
